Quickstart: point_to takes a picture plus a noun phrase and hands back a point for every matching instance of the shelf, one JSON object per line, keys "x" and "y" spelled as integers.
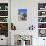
{"x": 3, "y": 22}
{"x": 41, "y": 22}
{"x": 3, "y": 16}
{"x": 41, "y": 10}
{"x": 4, "y": 19}
{"x": 42, "y": 19}
{"x": 3, "y": 10}
{"x": 42, "y": 16}
{"x": 41, "y": 28}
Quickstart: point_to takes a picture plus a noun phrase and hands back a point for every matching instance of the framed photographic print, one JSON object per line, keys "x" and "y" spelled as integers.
{"x": 22, "y": 14}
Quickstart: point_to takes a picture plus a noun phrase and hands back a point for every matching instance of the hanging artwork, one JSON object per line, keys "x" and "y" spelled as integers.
{"x": 22, "y": 14}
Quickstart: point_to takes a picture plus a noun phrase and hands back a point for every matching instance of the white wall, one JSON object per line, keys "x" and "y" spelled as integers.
{"x": 31, "y": 13}
{"x": 32, "y": 8}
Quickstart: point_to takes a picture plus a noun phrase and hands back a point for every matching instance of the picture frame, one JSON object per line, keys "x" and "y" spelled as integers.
{"x": 22, "y": 14}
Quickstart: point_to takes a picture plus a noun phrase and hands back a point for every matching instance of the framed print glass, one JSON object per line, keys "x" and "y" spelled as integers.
{"x": 22, "y": 14}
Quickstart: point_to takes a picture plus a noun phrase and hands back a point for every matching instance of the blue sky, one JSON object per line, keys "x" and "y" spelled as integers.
{"x": 21, "y": 11}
